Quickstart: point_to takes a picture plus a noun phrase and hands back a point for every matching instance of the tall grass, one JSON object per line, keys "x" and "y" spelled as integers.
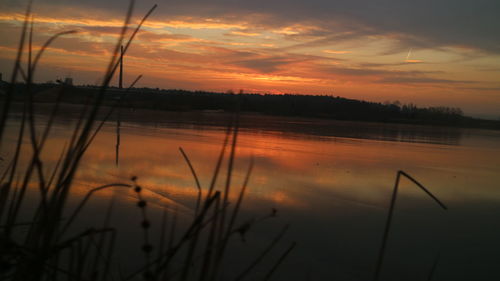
{"x": 46, "y": 249}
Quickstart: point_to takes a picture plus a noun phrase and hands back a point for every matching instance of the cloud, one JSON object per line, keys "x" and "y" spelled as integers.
{"x": 369, "y": 64}
{"x": 417, "y": 24}
{"x": 363, "y": 71}
{"x": 336, "y": 52}
{"x": 95, "y": 30}
{"x": 243, "y": 33}
{"x": 414, "y": 61}
{"x": 388, "y": 76}
{"x": 446, "y": 22}
{"x": 489, "y": 89}
{"x": 267, "y": 64}
{"x": 165, "y": 37}
{"x": 421, "y": 80}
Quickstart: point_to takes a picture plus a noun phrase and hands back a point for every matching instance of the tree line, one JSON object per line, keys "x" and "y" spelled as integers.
{"x": 317, "y": 106}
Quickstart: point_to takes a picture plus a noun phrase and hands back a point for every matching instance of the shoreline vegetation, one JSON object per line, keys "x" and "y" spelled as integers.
{"x": 287, "y": 105}
{"x": 41, "y": 237}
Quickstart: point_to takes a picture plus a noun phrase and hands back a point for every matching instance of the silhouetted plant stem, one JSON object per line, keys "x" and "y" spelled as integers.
{"x": 120, "y": 82}
{"x": 433, "y": 268}
{"x": 219, "y": 162}
{"x": 49, "y": 250}
{"x": 17, "y": 66}
{"x": 193, "y": 172}
{"x": 380, "y": 260}
{"x": 259, "y": 258}
{"x": 240, "y": 200}
{"x": 280, "y": 261}
{"x": 106, "y": 118}
{"x": 186, "y": 237}
{"x": 117, "y": 145}
{"x": 210, "y": 246}
{"x": 84, "y": 201}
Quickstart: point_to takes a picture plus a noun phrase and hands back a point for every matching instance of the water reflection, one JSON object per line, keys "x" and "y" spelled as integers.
{"x": 330, "y": 180}
{"x": 302, "y": 127}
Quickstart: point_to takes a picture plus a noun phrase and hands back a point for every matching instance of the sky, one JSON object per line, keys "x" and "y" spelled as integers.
{"x": 430, "y": 53}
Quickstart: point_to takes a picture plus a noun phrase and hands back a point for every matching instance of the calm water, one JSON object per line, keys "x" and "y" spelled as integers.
{"x": 331, "y": 181}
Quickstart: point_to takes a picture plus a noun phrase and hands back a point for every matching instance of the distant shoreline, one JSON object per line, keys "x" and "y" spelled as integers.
{"x": 297, "y": 106}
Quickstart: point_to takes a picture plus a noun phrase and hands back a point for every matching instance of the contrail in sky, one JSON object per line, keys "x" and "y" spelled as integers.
{"x": 409, "y": 53}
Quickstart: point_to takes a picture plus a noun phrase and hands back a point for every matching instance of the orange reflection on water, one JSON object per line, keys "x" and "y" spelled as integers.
{"x": 288, "y": 167}
{"x": 291, "y": 169}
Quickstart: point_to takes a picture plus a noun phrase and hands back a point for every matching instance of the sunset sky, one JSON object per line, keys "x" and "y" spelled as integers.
{"x": 439, "y": 52}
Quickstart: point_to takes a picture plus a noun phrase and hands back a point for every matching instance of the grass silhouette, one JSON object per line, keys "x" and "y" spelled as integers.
{"x": 45, "y": 249}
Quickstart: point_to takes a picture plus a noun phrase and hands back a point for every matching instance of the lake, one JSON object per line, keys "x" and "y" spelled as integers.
{"x": 331, "y": 181}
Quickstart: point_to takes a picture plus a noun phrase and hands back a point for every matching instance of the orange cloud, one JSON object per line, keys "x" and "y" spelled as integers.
{"x": 414, "y": 61}
{"x": 190, "y": 23}
{"x": 244, "y": 33}
{"x": 336, "y": 52}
